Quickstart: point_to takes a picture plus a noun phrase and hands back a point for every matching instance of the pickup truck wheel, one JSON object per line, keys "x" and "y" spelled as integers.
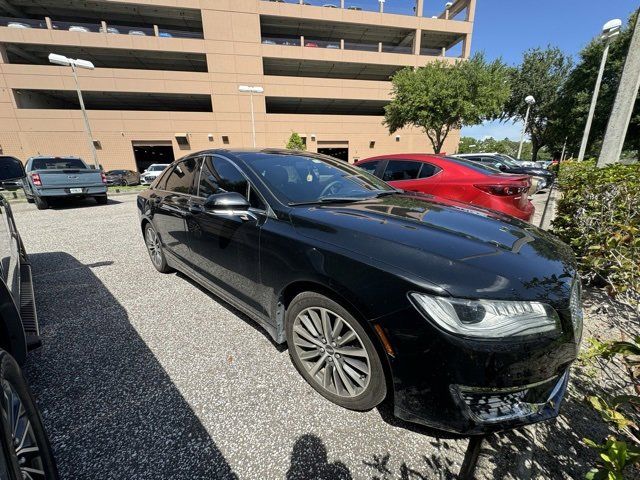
{"x": 41, "y": 203}
{"x": 29, "y": 451}
{"x": 101, "y": 199}
{"x": 30, "y": 200}
{"x": 154, "y": 247}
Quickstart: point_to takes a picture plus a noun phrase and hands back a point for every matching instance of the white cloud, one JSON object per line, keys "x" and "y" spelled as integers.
{"x": 495, "y": 129}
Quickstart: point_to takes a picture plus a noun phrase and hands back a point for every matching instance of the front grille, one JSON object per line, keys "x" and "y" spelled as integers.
{"x": 498, "y": 405}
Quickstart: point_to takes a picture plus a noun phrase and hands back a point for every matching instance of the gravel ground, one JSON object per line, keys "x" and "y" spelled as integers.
{"x": 144, "y": 375}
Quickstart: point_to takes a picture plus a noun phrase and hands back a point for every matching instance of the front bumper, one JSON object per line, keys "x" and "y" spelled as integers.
{"x": 474, "y": 387}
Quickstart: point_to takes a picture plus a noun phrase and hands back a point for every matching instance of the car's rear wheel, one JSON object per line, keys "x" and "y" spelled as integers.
{"x": 154, "y": 247}
{"x": 29, "y": 451}
{"x": 101, "y": 199}
{"x": 41, "y": 203}
{"x": 334, "y": 353}
{"x": 30, "y": 200}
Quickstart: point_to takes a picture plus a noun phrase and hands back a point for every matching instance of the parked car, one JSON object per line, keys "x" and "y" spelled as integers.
{"x": 24, "y": 448}
{"x": 62, "y": 177}
{"x": 456, "y": 179}
{"x": 18, "y": 25}
{"x": 165, "y": 35}
{"x": 354, "y": 8}
{"x": 268, "y": 42}
{"x": 78, "y": 28}
{"x": 311, "y": 44}
{"x": 123, "y": 177}
{"x": 506, "y": 165}
{"x": 333, "y": 45}
{"x": 110, "y": 30}
{"x": 138, "y": 33}
{"x": 152, "y": 172}
{"x": 466, "y": 318}
{"x": 521, "y": 162}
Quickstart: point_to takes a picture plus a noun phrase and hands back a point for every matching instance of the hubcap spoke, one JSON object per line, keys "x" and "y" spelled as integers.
{"x": 331, "y": 352}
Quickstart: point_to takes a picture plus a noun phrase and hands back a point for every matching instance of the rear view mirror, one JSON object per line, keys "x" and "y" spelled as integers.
{"x": 11, "y": 169}
{"x": 226, "y": 201}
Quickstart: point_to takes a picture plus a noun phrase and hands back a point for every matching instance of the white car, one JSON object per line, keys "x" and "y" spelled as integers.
{"x": 78, "y": 28}
{"x": 152, "y": 172}
{"x": 18, "y": 25}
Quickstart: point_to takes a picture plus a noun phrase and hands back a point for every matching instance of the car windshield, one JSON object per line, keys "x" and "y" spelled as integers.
{"x": 116, "y": 172}
{"x": 508, "y": 160}
{"x": 301, "y": 179}
{"x": 56, "y": 163}
{"x": 156, "y": 168}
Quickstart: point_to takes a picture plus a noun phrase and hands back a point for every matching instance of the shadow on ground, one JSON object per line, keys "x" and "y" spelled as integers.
{"x": 109, "y": 407}
{"x": 70, "y": 203}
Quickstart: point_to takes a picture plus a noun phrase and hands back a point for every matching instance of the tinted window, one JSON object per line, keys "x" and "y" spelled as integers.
{"x": 428, "y": 170}
{"x": 219, "y": 176}
{"x": 478, "y": 167}
{"x": 56, "y": 163}
{"x": 401, "y": 170}
{"x": 181, "y": 177}
{"x": 370, "y": 167}
{"x": 301, "y": 178}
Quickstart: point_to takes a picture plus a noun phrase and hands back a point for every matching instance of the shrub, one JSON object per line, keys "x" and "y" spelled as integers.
{"x": 599, "y": 216}
{"x": 295, "y": 142}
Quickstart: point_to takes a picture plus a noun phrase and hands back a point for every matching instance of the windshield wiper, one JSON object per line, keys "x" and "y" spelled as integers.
{"x": 386, "y": 193}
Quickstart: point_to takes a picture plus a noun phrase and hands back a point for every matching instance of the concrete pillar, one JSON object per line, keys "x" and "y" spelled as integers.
{"x": 444, "y": 52}
{"x": 342, "y": 44}
{"x": 103, "y": 27}
{"x": 156, "y": 31}
{"x": 466, "y": 46}
{"x": 379, "y": 46}
{"x": 416, "y": 42}
{"x": 446, "y": 14}
{"x": 381, "y": 3}
{"x": 3, "y": 54}
{"x": 471, "y": 10}
{"x": 419, "y": 7}
{"x": 302, "y": 40}
{"x": 47, "y": 20}
{"x": 623, "y": 106}
{"x": 341, "y": 3}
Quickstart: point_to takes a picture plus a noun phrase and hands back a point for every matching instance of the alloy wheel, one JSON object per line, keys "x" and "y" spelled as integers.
{"x": 153, "y": 245}
{"x": 24, "y": 443}
{"x": 331, "y": 352}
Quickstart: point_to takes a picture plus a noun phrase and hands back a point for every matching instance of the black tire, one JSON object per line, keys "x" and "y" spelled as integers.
{"x": 156, "y": 254}
{"x": 13, "y": 387}
{"x": 30, "y": 200}
{"x": 101, "y": 199}
{"x": 376, "y": 389}
{"x": 41, "y": 203}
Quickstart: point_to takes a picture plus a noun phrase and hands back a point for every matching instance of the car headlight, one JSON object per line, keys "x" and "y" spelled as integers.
{"x": 487, "y": 319}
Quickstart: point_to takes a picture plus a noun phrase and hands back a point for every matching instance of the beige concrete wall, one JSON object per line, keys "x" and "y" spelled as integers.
{"x": 232, "y": 45}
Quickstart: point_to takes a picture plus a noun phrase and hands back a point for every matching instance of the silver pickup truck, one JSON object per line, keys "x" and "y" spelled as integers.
{"x": 57, "y": 177}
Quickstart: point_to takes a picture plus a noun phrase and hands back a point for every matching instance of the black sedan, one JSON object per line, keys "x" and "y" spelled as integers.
{"x": 122, "y": 177}
{"x": 507, "y": 165}
{"x": 467, "y": 319}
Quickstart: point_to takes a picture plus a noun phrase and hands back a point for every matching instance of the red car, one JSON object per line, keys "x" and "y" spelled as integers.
{"x": 455, "y": 179}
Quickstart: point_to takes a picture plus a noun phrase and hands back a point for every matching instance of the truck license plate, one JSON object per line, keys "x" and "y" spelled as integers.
{"x": 75, "y": 190}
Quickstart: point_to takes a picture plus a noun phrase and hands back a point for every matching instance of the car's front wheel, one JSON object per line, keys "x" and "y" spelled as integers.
{"x": 29, "y": 452}
{"x": 334, "y": 353}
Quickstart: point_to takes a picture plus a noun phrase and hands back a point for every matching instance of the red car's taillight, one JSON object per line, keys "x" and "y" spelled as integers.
{"x": 35, "y": 178}
{"x": 104, "y": 177}
{"x": 503, "y": 190}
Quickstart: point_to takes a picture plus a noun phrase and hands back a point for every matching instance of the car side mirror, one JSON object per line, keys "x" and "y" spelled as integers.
{"x": 11, "y": 169}
{"x": 502, "y": 167}
{"x": 226, "y": 201}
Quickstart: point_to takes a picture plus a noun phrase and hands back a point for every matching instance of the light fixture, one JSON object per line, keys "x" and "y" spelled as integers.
{"x": 313, "y": 137}
{"x": 225, "y": 139}
{"x": 397, "y": 138}
{"x": 611, "y": 28}
{"x": 372, "y": 143}
{"x": 530, "y": 100}
{"x": 210, "y": 137}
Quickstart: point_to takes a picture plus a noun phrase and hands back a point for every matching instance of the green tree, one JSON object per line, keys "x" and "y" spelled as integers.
{"x": 542, "y": 74}
{"x": 440, "y": 97}
{"x": 575, "y": 98}
{"x": 295, "y": 142}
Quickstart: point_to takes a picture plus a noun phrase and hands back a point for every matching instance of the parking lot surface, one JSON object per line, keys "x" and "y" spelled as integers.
{"x": 144, "y": 375}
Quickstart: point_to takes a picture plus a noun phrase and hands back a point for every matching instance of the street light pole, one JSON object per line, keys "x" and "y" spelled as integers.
{"x": 74, "y": 64}
{"x": 251, "y": 91}
{"x": 87, "y": 126}
{"x": 609, "y": 31}
{"x": 529, "y": 100}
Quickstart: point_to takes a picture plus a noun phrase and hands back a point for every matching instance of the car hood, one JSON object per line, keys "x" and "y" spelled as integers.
{"x": 446, "y": 246}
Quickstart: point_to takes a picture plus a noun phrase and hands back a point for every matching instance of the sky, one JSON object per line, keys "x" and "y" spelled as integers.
{"x": 504, "y": 28}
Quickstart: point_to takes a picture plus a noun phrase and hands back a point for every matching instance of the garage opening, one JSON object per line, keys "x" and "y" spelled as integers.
{"x": 339, "y": 150}
{"x": 148, "y": 153}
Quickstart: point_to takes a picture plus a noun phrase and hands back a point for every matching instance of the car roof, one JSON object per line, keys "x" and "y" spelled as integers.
{"x": 55, "y": 156}
{"x": 403, "y": 156}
